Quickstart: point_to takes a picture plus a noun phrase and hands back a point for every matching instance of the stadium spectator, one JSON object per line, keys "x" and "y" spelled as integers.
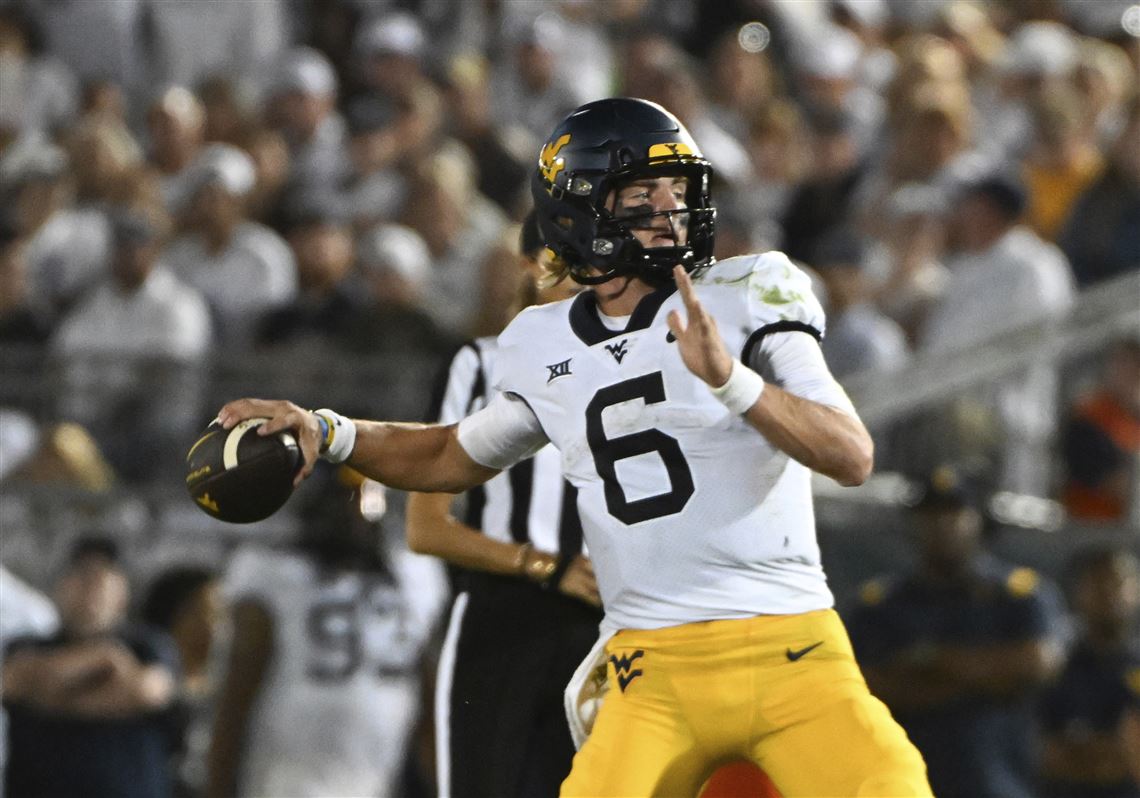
{"x": 23, "y": 320}
{"x": 321, "y": 689}
{"x": 185, "y": 601}
{"x": 494, "y": 672}
{"x": 230, "y": 112}
{"x": 462, "y": 230}
{"x": 387, "y": 141}
{"x": 188, "y": 41}
{"x": 1101, "y": 442}
{"x": 671, "y": 80}
{"x": 88, "y": 705}
{"x": 321, "y": 240}
{"x": 1087, "y": 748}
{"x": 527, "y": 89}
{"x": 823, "y": 200}
{"x": 102, "y": 152}
{"x": 1062, "y": 164}
{"x": 301, "y": 102}
{"x": 1003, "y": 277}
{"x": 128, "y": 350}
{"x": 39, "y": 93}
{"x": 741, "y": 85}
{"x": 98, "y": 43}
{"x": 394, "y": 267}
{"x": 778, "y": 156}
{"x": 859, "y": 337}
{"x": 959, "y": 649}
{"x": 66, "y": 246}
{"x": 270, "y": 156}
{"x": 176, "y": 127}
{"x": 243, "y": 268}
{"x": 826, "y": 71}
{"x": 1104, "y": 79}
{"x": 1102, "y": 237}
{"x": 499, "y": 161}
{"x": 25, "y": 613}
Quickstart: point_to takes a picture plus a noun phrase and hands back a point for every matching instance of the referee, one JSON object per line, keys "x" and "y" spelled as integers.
{"x": 527, "y": 609}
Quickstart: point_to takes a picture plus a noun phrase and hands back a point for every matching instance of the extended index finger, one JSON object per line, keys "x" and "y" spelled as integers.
{"x": 688, "y": 293}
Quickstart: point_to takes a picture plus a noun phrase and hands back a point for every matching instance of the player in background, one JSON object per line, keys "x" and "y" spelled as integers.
{"x": 527, "y": 609}
{"x": 689, "y": 416}
{"x": 321, "y": 690}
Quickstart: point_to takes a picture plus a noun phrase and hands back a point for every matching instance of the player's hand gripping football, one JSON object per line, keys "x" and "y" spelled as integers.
{"x": 702, "y": 348}
{"x": 282, "y": 415}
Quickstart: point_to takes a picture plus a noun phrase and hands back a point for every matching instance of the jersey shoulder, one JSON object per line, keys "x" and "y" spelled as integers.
{"x": 774, "y": 289}
{"x": 538, "y": 336}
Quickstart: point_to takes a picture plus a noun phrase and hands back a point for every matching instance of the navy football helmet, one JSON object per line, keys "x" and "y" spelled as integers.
{"x": 595, "y": 150}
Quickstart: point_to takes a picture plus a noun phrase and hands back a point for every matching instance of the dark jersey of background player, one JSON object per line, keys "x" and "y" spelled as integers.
{"x": 1087, "y": 713}
{"x": 959, "y": 649}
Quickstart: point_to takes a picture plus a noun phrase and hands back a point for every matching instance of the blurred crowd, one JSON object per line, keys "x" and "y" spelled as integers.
{"x": 186, "y": 185}
{"x": 298, "y": 196}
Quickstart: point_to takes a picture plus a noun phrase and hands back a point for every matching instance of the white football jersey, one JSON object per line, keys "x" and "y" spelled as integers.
{"x": 341, "y": 695}
{"x": 689, "y": 513}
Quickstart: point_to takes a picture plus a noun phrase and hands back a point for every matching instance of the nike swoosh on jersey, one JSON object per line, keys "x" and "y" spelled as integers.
{"x": 795, "y": 655}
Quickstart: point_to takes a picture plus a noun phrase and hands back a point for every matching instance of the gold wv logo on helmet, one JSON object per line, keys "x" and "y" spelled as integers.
{"x": 548, "y": 163}
{"x": 669, "y": 152}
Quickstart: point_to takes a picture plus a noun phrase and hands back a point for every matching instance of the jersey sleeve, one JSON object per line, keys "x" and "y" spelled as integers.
{"x": 780, "y": 299}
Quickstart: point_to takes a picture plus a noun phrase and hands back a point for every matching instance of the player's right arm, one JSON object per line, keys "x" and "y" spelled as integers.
{"x": 407, "y": 456}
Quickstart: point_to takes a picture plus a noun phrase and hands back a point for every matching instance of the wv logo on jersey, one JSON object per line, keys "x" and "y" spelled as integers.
{"x": 623, "y": 667}
{"x": 618, "y": 350}
{"x": 559, "y": 370}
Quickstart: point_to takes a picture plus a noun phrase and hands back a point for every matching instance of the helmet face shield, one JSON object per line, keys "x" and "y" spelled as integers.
{"x": 597, "y": 150}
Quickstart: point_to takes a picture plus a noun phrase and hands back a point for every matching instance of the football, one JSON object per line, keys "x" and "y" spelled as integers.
{"x": 239, "y": 476}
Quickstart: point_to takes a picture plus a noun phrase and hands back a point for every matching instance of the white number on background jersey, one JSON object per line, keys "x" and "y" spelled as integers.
{"x": 369, "y": 631}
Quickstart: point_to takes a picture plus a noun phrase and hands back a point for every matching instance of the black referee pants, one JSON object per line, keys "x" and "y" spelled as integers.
{"x": 502, "y": 729}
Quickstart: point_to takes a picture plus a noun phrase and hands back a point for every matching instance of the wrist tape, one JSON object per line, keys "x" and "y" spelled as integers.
{"x": 743, "y": 388}
{"x": 339, "y": 435}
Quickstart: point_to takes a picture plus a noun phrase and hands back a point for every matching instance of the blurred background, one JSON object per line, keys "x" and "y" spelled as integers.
{"x": 321, "y": 200}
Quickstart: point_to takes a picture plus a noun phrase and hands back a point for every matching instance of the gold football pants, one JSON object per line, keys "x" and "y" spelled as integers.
{"x": 781, "y": 690}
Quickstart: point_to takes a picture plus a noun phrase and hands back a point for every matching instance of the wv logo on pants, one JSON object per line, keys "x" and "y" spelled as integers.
{"x": 623, "y": 667}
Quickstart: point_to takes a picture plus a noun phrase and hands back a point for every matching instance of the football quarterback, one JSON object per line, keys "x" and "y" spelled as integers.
{"x": 689, "y": 403}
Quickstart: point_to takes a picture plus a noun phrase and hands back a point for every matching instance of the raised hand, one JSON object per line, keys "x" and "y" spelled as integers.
{"x": 282, "y": 415}
{"x": 702, "y": 348}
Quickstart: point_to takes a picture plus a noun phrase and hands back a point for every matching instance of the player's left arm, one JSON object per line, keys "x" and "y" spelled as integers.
{"x": 827, "y": 438}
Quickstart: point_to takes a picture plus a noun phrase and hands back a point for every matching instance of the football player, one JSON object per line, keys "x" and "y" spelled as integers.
{"x": 689, "y": 403}
{"x": 320, "y": 693}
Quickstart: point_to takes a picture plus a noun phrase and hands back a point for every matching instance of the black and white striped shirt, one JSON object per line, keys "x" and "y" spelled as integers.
{"x": 529, "y": 501}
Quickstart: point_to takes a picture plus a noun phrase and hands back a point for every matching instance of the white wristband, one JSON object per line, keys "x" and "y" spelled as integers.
{"x": 743, "y": 388}
{"x": 337, "y": 446}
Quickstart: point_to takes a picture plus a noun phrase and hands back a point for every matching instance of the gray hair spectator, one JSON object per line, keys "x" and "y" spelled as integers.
{"x": 243, "y": 268}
